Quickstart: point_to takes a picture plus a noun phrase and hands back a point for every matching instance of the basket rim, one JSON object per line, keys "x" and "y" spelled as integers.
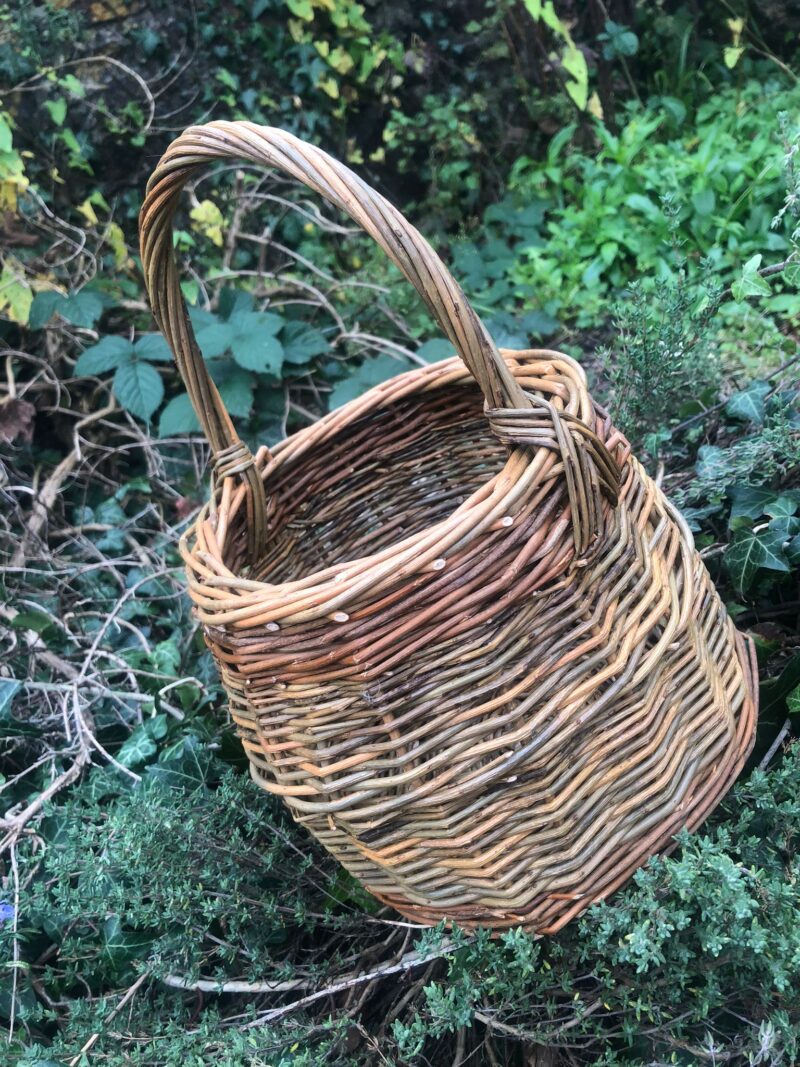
{"x": 224, "y": 598}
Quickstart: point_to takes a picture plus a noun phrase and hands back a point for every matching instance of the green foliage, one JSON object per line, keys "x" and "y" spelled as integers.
{"x": 603, "y": 227}
{"x": 663, "y": 348}
{"x": 619, "y": 178}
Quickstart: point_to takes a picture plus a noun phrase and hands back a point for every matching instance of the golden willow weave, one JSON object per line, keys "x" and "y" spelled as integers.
{"x": 464, "y": 635}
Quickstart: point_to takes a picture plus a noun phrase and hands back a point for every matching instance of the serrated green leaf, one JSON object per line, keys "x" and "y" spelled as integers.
{"x": 302, "y": 342}
{"x": 436, "y": 349}
{"x": 153, "y": 347}
{"x": 42, "y": 308}
{"x": 200, "y": 318}
{"x": 258, "y": 351}
{"x": 236, "y": 390}
{"x": 139, "y": 388}
{"x": 215, "y": 339}
{"x": 81, "y": 309}
{"x": 370, "y": 373}
{"x": 793, "y": 701}
{"x": 704, "y": 201}
{"x": 178, "y": 417}
{"x": 232, "y": 300}
{"x": 247, "y": 322}
{"x": 108, "y": 354}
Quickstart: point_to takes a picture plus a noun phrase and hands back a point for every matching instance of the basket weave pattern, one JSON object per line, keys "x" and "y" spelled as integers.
{"x": 464, "y": 636}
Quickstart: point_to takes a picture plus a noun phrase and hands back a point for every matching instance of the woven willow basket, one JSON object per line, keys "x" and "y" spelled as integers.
{"x": 463, "y": 634}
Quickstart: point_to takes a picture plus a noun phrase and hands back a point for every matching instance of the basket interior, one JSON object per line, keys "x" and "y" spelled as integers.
{"x": 392, "y": 473}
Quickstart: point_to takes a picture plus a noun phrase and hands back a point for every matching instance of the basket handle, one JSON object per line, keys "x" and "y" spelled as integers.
{"x": 199, "y": 145}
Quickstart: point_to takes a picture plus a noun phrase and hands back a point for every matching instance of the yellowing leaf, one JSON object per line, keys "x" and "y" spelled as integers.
{"x": 16, "y": 296}
{"x": 208, "y": 221}
{"x": 594, "y": 107}
{"x": 116, "y": 239}
{"x": 732, "y": 55}
{"x": 87, "y": 210}
{"x": 302, "y": 9}
{"x": 297, "y": 31}
{"x": 329, "y": 86}
{"x": 12, "y": 168}
{"x": 574, "y": 63}
{"x": 736, "y": 26}
{"x": 341, "y": 61}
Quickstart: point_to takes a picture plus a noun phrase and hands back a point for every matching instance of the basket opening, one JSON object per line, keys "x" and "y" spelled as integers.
{"x": 394, "y": 472}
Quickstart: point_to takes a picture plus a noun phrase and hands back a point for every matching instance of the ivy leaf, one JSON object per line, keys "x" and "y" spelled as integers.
{"x": 783, "y": 506}
{"x": 370, "y": 373}
{"x": 137, "y": 749}
{"x": 750, "y": 501}
{"x": 302, "y": 342}
{"x": 122, "y": 947}
{"x": 750, "y": 552}
{"x": 9, "y": 725}
{"x": 712, "y": 463}
{"x": 139, "y": 388}
{"x": 108, "y": 354}
{"x": 781, "y": 511}
{"x": 178, "y": 417}
{"x": 207, "y": 219}
{"x": 301, "y": 9}
{"x": 749, "y": 404}
{"x": 187, "y": 767}
{"x": 750, "y": 282}
{"x": 153, "y": 347}
{"x": 792, "y": 551}
{"x": 9, "y": 687}
{"x": 785, "y": 526}
{"x": 775, "y": 692}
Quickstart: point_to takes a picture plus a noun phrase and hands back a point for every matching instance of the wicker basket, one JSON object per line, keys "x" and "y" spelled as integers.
{"x": 464, "y": 635}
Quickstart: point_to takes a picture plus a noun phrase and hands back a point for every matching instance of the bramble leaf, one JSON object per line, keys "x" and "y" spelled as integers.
{"x": 139, "y": 388}
{"x": 108, "y": 354}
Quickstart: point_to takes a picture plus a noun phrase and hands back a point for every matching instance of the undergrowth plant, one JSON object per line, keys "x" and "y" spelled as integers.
{"x": 612, "y": 179}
